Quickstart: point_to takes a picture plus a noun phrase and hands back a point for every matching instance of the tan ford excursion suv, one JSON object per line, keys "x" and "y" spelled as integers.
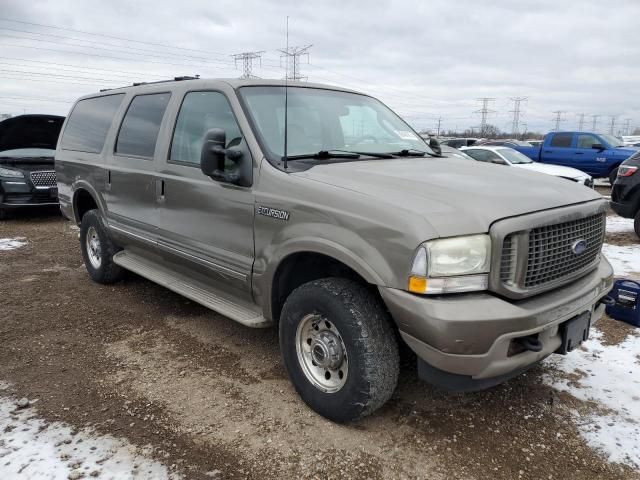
{"x": 353, "y": 240}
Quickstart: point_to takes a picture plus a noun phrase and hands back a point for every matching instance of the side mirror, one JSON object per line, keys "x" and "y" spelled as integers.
{"x": 435, "y": 146}
{"x": 214, "y": 155}
{"x": 597, "y": 146}
{"x": 498, "y": 161}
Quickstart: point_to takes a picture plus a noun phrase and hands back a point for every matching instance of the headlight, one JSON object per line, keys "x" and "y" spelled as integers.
{"x": 8, "y": 172}
{"x": 447, "y": 265}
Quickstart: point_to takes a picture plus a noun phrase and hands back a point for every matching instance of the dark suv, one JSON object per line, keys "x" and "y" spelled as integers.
{"x": 27, "y": 149}
{"x": 625, "y": 195}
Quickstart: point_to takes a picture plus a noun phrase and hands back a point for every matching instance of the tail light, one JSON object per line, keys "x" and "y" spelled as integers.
{"x": 626, "y": 170}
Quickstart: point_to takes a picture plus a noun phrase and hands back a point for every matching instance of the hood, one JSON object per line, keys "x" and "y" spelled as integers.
{"x": 628, "y": 151}
{"x": 557, "y": 170}
{"x": 454, "y": 196}
{"x": 30, "y": 131}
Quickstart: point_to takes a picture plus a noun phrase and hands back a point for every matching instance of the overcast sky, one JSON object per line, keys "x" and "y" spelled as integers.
{"x": 426, "y": 59}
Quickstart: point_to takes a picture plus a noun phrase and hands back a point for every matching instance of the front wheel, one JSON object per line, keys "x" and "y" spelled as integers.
{"x": 339, "y": 348}
{"x": 612, "y": 175}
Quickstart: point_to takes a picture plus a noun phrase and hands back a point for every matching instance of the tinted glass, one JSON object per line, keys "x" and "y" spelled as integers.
{"x": 199, "y": 113}
{"x": 562, "y": 140}
{"x": 141, "y": 124}
{"x": 89, "y": 123}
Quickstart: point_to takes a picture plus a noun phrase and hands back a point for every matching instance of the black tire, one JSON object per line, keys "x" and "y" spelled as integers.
{"x": 3, "y": 214}
{"x": 612, "y": 175}
{"x": 636, "y": 223}
{"x": 107, "y": 271}
{"x": 367, "y": 335}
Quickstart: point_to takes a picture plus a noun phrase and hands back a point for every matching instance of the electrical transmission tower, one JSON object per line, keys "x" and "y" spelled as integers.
{"x": 558, "y": 118}
{"x": 439, "y": 123}
{"x": 581, "y": 122}
{"x": 484, "y": 111}
{"x": 515, "y": 126}
{"x": 627, "y": 126}
{"x": 247, "y": 59}
{"x": 292, "y": 61}
{"x": 595, "y": 122}
{"x": 612, "y": 124}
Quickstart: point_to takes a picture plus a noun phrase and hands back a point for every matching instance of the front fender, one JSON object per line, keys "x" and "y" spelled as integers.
{"x": 351, "y": 250}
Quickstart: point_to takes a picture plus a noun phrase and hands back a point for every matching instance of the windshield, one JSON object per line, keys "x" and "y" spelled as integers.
{"x": 612, "y": 141}
{"x": 514, "y": 157}
{"x": 326, "y": 120}
{"x": 27, "y": 152}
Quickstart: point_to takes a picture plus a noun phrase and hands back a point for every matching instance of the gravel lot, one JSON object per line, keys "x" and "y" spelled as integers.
{"x": 133, "y": 381}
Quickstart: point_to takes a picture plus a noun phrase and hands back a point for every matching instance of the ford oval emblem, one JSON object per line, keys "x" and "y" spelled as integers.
{"x": 579, "y": 246}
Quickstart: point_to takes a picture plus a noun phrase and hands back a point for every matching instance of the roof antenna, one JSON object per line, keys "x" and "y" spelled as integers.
{"x": 286, "y": 100}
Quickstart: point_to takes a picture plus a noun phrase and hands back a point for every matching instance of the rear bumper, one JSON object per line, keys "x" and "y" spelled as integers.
{"x": 470, "y": 334}
{"x": 625, "y": 210}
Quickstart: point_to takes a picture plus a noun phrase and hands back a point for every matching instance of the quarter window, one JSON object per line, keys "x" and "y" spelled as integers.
{"x": 89, "y": 123}
{"x": 141, "y": 124}
{"x": 562, "y": 140}
{"x": 199, "y": 113}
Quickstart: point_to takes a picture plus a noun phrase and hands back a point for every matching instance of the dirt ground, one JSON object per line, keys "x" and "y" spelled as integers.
{"x": 213, "y": 400}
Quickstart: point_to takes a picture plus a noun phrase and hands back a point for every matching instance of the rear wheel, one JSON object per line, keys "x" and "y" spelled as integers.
{"x": 98, "y": 249}
{"x": 339, "y": 348}
{"x": 612, "y": 175}
{"x": 636, "y": 223}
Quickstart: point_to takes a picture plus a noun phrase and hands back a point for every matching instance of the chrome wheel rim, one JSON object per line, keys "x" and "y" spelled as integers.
{"x": 321, "y": 353}
{"x": 94, "y": 249}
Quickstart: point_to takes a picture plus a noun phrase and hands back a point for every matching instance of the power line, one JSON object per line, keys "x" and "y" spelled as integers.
{"x": 558, "y": 118}
{"x": 516, "y": 114}
{"x": 612, "y": 124}
{"x": 627, "y": 126}
{"x": 581, "y": 122}
{"x": 247, "y": 59}
{"x": 595, "y": 122}
{"x": 484, "y": 111}
{"x": 292, "y": 58}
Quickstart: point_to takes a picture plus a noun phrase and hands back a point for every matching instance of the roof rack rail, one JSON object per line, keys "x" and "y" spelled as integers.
{"x": 174, "y": 79}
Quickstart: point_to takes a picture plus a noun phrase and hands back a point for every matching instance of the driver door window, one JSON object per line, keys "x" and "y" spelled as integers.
{"x": 587, "y": 141}
{"x": 199, "y": 113}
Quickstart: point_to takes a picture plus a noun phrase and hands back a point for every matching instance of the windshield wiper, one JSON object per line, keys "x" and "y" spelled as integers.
{"x": 336, "y": 153}
{"x": 414, "y": 152}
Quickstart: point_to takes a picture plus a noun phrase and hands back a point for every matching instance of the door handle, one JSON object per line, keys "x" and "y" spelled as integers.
{"x": 108, "y": 182}
{"x": 579, "y": 153}
{"x": 160, "y": 190}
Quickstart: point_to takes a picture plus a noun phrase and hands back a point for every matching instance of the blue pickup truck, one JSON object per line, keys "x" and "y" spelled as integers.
{"x": 597, "y": 154}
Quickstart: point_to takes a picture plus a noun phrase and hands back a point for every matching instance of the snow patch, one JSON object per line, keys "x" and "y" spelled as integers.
{"x": 617, "y": 224}
{"x": 12, "y": 243}
{"x": 32, "y": 448}
{"x": 625, "y": 259}
{"x": 610, "y": 376}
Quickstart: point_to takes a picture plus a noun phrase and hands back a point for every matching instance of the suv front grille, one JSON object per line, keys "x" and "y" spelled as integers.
{"x": 550, "y": 255}
{"x": 44, "y": 178}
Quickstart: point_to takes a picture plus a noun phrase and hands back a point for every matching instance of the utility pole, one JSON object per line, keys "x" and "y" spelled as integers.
{"x": 247, "y": 59}
{"x": 595, "y": 122}
{"x": 439, "y": 123}
{"x": 627, "y": 126}
{"x": 581, "y": 122}
{"x": 516, "y": 115}
{"x": 558, "y": 118}
{"x": 484, "y": 111}
{"x": 612, "y": 124}
{"x": 292, "y": 58}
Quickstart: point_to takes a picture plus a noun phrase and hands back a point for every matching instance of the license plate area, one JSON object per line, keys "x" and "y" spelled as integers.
{"x": 574, "y": 332}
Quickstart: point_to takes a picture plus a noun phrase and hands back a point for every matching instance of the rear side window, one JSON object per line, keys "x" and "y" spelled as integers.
{"x": 89, "y": 123}
{"x": 562, "y": 140}
{"x": 141, "y": 124}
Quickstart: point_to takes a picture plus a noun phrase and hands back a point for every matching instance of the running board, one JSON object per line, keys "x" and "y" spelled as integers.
{"x": 242, "y": 312}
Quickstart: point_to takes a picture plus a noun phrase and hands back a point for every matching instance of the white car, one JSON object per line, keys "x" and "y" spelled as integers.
{"x": 513, "y": 158}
